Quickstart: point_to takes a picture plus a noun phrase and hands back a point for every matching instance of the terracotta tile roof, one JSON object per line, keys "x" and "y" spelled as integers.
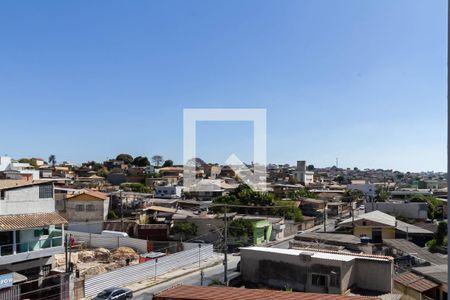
{"x": 12, "y": 183}
{"x": 188, "y": 292}
{"x": 95, "y": 194}
{"x": 415, "y": 282}
{"x": 16, "y": 222}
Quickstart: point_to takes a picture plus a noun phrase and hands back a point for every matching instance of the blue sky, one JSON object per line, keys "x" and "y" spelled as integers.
{"x": 364, "y": 81}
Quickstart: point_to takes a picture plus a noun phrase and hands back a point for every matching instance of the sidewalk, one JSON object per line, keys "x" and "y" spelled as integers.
{"x": 138, "y": 286}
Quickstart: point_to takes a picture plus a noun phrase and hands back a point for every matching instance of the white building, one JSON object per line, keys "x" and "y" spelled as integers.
{"x": 368, "y": 189}
{"x": 302, "y": 175}
{"x": 8, "y": 164}
{"x": 168, "y": 191}
{"x": 31, "y": 232}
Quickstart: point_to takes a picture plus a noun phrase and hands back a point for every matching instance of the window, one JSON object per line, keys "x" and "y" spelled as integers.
{"x": 46, "y": 191}
{"x": 90, "y": 207}
{"x": 318, "y": 280}
{"x": 79, "y": 207}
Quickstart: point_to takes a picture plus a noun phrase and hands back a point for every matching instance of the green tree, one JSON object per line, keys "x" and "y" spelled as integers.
{"x": 441, "y": 233}
{"x": 310, "y": 168}
{"x": 126, "y": 158}
{"x": 168, "y": 163}
{"x": 140, "y": 161}
{"x": 185, "y": 229}
{"x": 302, "y": 193}
{"x": 352, "y": 195}
{"x": 135, "y": 187}
{"x": 381, "y": 194}
{"x": 241, "y": 230}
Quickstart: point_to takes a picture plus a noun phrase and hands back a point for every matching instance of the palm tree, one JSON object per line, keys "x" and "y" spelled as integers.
{"x": 52, "y": 160}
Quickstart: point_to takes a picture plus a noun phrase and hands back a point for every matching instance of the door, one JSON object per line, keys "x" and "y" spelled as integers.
{"x": 377, "y": 236}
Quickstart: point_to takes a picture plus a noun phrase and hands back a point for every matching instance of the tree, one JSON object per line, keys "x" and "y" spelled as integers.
{"x": 157, "y": 159}
{"x": 168, "y": 163}
{"x": 302, "y": 193}
{"x": 185, "y": 229}
{"x": 441, "y": 233}
{"x": 241, "y": 230}
{"x": 52, "y": 160}
{"x": 310, "y": 168}
{"x": 140, "y": 161}
{"x": 352, "y": 195}
{"x": 135, "y": 187}
{"x": 126, "y": 158}
{"x": 381, "y": 194}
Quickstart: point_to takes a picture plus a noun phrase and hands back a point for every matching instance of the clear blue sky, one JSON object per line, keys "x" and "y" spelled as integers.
{"x": 364, "y": 81}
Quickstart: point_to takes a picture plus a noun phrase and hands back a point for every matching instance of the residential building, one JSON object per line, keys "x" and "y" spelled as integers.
{"x": 378, "y": 226}
{"x": 318, "y": 240}
{"x": 86, "y": 210}
{"x": 438, "y": 274}
{"x": 302, "y": 175}
{"x": 31, "y": 232}
{"x": 168, "y": 191}
{"x": 27, "y": 170}
{"x": 368, "y": 189}
{"x": 316, "y": 271}
{"x": 410, "y": 210}
{"x": 416, "y": 287}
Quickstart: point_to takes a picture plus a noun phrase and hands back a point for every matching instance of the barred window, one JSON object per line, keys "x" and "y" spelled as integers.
{"x": 90, "y": 207}
{"x": 46, "y": 191}
{"x": 79, "y": 207}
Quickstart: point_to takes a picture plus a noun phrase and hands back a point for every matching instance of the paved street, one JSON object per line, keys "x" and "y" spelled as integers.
{"x": 215, "y": 272}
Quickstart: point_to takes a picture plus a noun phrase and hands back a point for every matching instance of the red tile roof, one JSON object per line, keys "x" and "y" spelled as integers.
{"x": 415, "y": 282}
{"x": 187, "y": 292}
{"x": 95, "y": 194}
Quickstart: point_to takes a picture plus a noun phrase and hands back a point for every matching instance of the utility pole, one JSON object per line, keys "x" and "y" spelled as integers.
{"x": 324, "y": 216}
{"x": 66, "y": 262}
{"x": 121, "y": 212}
{"x": 225, "y": 250}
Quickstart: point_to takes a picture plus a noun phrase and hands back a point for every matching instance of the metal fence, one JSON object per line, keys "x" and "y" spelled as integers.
{"x": 147, "y": 270}
{"x": 109, "y": 242}
{"x": 11, "y": 293}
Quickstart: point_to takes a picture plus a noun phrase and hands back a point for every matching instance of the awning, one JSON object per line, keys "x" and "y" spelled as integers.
{"x": 18, "y": 222}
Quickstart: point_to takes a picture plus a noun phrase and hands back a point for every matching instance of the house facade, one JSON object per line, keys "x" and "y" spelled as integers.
{"x": 31, "y": 232}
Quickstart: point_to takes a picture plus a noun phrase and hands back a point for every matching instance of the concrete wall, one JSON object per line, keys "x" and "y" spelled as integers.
{"x": 283, "y": 270}
{"x": 280, "y": 270}
{"x": 99, "y": 212}
{"x": 386, "y": 232}
{"x": 374, "y": 275}
{"x": 412, "y": 210}
{"x": 25, "y": 201}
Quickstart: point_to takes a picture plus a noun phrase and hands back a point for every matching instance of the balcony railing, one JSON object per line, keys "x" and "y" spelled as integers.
{"x": 33, "y": 245}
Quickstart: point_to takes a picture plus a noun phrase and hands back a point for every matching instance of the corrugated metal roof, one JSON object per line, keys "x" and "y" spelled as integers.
{"x": 355, "y": 255}
{"x": 415, "y": 282}
{"x": 412, "y": 249}
{"x": 374, "y": 216}
{"x": 438, "y": 273}
{"x": 16, "y": 222}
{"x": 187, "y": 292}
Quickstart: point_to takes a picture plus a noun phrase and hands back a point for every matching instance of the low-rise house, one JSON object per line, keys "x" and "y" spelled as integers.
{"x": 87, "y": 206}
{"x": 438, "y": 274}
{"x": 410, "y": 210}
{"x": 408, "y": 254}
{"x": 378, "y": 226}
{"x": 338, "y": 208}
{"x": 283, "y": 190}
{"x": 31, "y": 232}
{"x": 415, "y": 287}
{"x": 316, "y": 271}
{"x": 168, "y": 191}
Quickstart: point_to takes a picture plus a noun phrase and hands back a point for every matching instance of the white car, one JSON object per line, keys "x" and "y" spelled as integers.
{"x": 362, "y": 207}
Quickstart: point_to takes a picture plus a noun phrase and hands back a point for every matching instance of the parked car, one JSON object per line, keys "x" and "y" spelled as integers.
{"x": 362, "y": 207}
{"x": 115, "y": 293}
